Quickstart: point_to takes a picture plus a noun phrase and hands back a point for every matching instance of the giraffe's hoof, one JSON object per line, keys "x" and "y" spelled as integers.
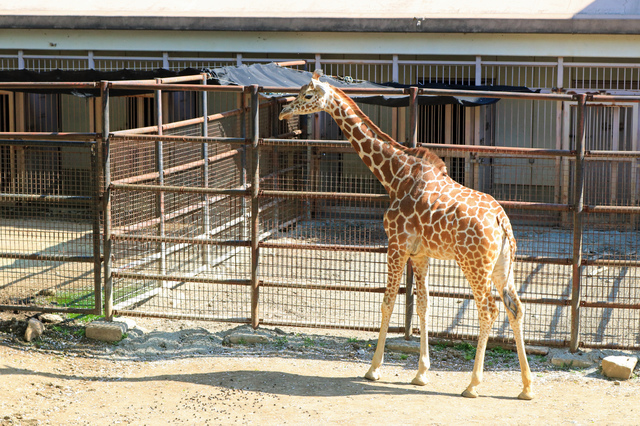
{"x": 470, "y": 393}
{"x": 372, "y": 375}
{"x": 420, "y": 380}
{"x": 526, "y": 395}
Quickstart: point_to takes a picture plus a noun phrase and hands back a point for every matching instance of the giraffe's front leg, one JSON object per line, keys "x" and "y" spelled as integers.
{"x": 395, "y": 264}
{"x": 421, "y": 274}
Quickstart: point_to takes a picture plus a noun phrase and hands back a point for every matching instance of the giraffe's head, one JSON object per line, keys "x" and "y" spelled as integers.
{"x": 312, "y": 98}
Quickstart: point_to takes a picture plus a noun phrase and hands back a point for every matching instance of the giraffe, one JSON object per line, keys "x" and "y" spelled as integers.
{"x": 430, "y": 216}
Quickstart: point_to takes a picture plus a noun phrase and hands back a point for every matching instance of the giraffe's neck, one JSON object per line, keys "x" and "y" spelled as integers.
{"x": 389, "y": 161}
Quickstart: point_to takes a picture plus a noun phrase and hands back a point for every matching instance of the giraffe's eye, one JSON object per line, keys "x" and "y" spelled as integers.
{"x": 308, "y": 96}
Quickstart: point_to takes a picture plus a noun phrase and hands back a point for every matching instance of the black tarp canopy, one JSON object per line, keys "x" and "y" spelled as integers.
{"x": 273, "y": 75}
{"x": 265, "y": 75}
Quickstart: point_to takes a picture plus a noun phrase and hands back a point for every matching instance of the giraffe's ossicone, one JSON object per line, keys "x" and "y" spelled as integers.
{"x": 430, "y": 216}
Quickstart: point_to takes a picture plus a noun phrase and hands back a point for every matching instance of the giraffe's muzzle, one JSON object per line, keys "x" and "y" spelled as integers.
{"x": 285, "y": 114}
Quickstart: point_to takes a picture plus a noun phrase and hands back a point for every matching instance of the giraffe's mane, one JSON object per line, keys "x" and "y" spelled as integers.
{"x": 422, "y": 153}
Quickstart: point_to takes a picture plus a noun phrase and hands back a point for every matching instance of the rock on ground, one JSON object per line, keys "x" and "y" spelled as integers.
{"x": 34, "y": 330}
{"x": 619, "y": 367}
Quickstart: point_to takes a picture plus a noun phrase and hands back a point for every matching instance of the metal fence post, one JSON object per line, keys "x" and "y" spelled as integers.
{"x": 413, "y": 142}
{"x": 206, "y": 249}
{"x": 161, "y": 199}
{"x": 577, "y": 223}
{"x": 106, "y": 165}
{"x": 255, "y": 207}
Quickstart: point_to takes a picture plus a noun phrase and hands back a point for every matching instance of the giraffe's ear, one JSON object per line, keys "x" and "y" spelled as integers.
{"x": 316, "y": 74}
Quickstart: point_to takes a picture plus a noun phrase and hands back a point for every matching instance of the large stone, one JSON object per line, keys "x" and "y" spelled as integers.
{"x": 106, "y": 331}
{"x": 572, "y": 360}
{"x": 247, "y": 338}
{"x": 50, "y": 318}
{"x": 34, "y": 330}
{"x": 619, "y": 367}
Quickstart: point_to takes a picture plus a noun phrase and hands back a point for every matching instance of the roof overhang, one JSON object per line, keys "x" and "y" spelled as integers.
{"x": 610, "y": 25}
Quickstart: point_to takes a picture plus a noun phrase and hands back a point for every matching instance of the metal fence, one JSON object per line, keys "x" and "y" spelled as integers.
{"x": 229, "y": 215}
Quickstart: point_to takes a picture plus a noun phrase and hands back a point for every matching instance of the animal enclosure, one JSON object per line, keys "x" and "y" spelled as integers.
{"x": 224, "y": 213}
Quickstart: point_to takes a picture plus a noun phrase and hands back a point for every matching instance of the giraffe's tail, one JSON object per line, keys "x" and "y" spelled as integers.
{"x": 509, "y": 294}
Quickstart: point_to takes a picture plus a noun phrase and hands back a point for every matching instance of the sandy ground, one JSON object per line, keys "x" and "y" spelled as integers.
{"x": 187, "y": 373}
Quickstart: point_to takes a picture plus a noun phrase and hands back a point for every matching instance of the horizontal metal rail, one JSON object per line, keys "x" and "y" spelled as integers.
{"x": 177, "y": 169}
{"x": 57, "y": 309}
{"x": 175, "y": 87}
{"x": 48, "y": 257}
{"x": 180, "y": 240}
{"x": 179, "y": 189}
{"x": 175, "y": 138}
{"x": 325, "y": 247}
{"x": 184, "y": 123}
{"x": 53, "y": 137}
{"x": 179, "y": 278}
{"x": 74, "y": 199}
{"x": 612, "y": 209}
{"x": 188, "y": 317}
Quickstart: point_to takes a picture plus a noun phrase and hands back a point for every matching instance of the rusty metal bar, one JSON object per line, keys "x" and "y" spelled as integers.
{"x": 73, "y": 199}
{"x": 255, "y": 205}
{"x": 176, "y": 138}
{"x": 413, "y": 142}
{"x": 612, "y": 209}
{"x": 15, "y": 85}
{"x": 610, "y": 305}
{"x": 327, "y": 195}
{"x": 329, "y": 326}
{"x": 47, "y": 257}
{"x": 180, "y": 168}
{"x": 619, "y": 263}
{"x": 619, "y": 155}
{"x": 53, "y": 136}
{"x": 106, "y": 202}
{"x": 577, "y": 223}
{"x": 179, "y": 189}
{"x": 177, "y": 277}
{"x": 179, "y": 124}
{"x": 46, "y": 143}
{"x": 491, "y": 151}
{"x": 174, "y": 87}
{"x": 162, "y": 315}
{"x": 525, "y": 205}
{"x": 326, "y": 247}
{"x": 206, "y": 220}
{"x": 96, "y": 213}
{"x": 179, "y": 240}
{"x": 160, "y": 199}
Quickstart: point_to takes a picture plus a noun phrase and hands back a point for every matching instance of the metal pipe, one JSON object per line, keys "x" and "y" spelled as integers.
{"x": 577, "y": 223}
{"x": 160, "y": 200}
{"x": 106, "y": 205}
{"x": 255, "y": 205}
{"x": 413, "y": 142}
{"x": 96, "y": 214}
{"x": 206, "y": 220}
{"x": 174, "y": 138}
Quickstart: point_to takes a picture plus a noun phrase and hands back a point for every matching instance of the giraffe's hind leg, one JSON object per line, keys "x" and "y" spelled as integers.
{"x": 396, "y": 260}
{"x": 487, "y": 314}
{"x": 421, "y": 273}
{"x": 504, "y": 282}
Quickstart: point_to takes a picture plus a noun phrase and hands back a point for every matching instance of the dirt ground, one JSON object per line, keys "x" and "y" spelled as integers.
{"x": 185, "y": 372}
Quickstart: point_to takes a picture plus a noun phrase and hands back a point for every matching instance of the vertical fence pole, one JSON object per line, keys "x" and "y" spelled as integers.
{"x": 96, "y": 211}
{"x": 577, "y": 222}
{"x": 255, "y": 191}
{"x": 160, "y": 199}
{"x": 413, "y": 142}
{"x": 206, "y": 249}
{"x": 106, "y": 170}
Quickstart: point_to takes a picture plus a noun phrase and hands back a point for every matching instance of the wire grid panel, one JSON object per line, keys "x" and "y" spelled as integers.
{"x": 49, "y": 246}
{"x": 170, "y": 239}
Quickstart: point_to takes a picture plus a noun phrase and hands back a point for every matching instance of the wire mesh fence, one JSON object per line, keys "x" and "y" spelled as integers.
{"x": 190, "y": 238}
